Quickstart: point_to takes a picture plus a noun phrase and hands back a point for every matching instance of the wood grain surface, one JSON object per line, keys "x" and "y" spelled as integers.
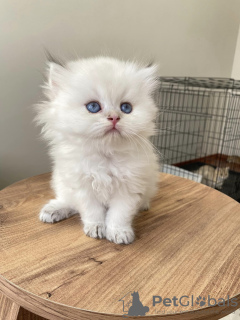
{"x": 8, "y": 308}
{"x": 187, "y": 244}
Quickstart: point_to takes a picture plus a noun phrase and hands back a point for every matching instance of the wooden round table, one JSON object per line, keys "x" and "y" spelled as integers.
{"x": 184, "y": 263}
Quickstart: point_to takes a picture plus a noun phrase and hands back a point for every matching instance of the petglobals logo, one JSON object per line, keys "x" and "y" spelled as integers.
{"x": 132, "y": 306}
{"x": 186, "y": 301}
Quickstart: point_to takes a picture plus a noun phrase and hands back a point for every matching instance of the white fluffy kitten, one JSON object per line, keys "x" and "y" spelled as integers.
{"x": 98, "y": 120}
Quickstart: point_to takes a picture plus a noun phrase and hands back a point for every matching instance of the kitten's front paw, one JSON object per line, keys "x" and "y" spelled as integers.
{"x": 145, "y": 206}
{"x": 54, "y": 212}
{"x": 120, "y": 235}
{"x": 94, "y": 230}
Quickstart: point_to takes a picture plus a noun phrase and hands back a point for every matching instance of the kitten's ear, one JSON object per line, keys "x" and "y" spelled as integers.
{"x": 150, "y": 77}
{"x": 56, "y": 73}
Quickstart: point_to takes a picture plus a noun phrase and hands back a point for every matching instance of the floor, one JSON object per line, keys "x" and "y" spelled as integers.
{"x": 233, "y": 316}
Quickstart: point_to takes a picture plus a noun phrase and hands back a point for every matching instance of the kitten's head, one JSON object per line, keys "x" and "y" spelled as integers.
{"x": 222, "y": 172}
{"x": 99, "y": 98}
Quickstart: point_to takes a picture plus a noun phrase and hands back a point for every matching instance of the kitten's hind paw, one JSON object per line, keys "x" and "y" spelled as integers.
{"x": 120, "y": 235}
{"x": 55, "y": 211}
{"x": 94, "y": 230}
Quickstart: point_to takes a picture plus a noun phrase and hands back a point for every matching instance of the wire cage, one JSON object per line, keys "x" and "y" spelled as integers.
{"x": 199, "y": 130}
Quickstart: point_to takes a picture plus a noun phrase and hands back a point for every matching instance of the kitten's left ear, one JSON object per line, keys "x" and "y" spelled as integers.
{"x": 150, "y": 77}
{"x": 56, "y": 73}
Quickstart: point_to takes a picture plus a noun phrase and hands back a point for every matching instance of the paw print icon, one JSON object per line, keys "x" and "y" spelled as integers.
{"x": 201, "y": 301}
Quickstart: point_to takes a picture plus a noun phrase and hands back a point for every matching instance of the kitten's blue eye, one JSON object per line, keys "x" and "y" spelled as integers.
{"x": 126, "y": 107}
{"x": 93, "y": 107}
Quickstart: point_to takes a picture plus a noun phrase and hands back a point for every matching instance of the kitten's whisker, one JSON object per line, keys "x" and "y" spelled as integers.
{"x": 134, "y": 143}
{"x": 148, "y": 143}
{"x": 98, "y": 146}
{"x": 140, "y": 144}
{"x": 170, "y": 127}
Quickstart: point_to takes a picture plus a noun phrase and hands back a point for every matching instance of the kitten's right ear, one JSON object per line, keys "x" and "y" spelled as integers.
{"x": 56, "y": 73}
{"x": 149, "y": 76}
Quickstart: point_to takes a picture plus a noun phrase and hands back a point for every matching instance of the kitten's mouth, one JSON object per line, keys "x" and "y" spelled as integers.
{"x": 113, "y": 130}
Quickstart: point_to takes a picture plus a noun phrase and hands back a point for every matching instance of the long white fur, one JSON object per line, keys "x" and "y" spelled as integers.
{"x": 107, "y": 177}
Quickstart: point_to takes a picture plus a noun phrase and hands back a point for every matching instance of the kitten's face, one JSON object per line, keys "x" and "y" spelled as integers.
{"x": 223, "y": 173}
{"x": 102, "y": 98}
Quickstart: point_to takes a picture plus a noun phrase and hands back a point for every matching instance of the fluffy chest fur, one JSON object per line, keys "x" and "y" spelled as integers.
{"x": 102, "y": 173}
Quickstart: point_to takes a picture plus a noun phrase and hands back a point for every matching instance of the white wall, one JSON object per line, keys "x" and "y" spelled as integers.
{"x": 236, "y": 62}
{"x": 186, "y": 37}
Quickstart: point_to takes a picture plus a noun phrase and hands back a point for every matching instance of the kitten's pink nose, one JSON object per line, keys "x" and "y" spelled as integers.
{"x": 114, "y": 119}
